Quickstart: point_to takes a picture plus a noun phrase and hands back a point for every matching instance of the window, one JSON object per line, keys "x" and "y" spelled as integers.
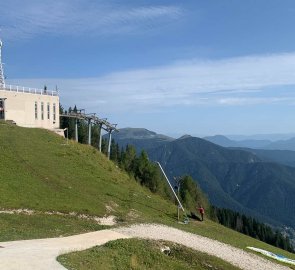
{"x": 42, "y": 110}
{"x": 36, "y": 110}
{"x": 48, "y": 110}
{"x": 2, "y": 108}
{"x": 54, "y": 112}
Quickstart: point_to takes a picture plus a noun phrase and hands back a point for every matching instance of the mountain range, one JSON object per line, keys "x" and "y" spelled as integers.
{"x": 140, "y": 138}
{"x": 256, "y": 182}
{"x": 288, "y": 144}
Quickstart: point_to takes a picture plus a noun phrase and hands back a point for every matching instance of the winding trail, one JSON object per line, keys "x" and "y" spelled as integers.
{"x": 41, "y": 253}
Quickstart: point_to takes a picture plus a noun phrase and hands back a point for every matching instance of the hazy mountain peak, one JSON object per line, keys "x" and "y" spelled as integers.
{"x": 185, "y": 136}
{"x": 138, "y": 133}
{"x": 141, "y": 138}
{"x": 221, "y": 140}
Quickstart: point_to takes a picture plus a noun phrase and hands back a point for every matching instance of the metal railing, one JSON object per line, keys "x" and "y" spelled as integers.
{"x": 22, "y": 89}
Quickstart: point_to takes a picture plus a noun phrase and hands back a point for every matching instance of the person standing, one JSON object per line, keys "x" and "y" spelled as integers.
{"x": 202, "y": 212}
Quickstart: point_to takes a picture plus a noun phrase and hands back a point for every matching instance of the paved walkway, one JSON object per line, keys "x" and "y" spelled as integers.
{"x": 41, "y": 254}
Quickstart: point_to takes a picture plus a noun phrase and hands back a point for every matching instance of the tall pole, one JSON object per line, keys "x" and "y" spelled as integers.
{"x": 89, "y": 131}
{"x": 2, "y": 82}
{"x": 100, "y": 137}
{"x": 109, "y": 144}
{"x": 180, "y": 205}
{"x": 178, "y": 183}
{"x": 76, "y": 130}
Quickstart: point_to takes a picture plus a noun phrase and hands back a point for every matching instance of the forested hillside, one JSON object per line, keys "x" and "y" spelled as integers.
{"x": 253, "y": 228}
{"x": 233, "y": 179}
{"x": 255, "y": 182}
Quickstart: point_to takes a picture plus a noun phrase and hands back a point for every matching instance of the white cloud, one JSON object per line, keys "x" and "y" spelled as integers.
{"x": 255, "y": 101}
{"x": 25, "y": 19}
{"x": 235, "y": 81}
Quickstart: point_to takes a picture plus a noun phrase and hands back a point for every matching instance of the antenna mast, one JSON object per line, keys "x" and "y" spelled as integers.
{"x": 2, "y": 82}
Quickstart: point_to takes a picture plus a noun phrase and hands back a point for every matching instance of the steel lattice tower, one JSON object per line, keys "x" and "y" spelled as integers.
{"x": 2, "y": 82}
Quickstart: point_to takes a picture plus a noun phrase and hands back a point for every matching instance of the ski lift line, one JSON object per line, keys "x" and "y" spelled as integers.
{"x": 82, "y": 116}
{"x": 171, "y": 187}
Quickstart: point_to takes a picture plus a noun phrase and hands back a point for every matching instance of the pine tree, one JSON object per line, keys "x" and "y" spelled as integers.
{"x": 129, "y": 159}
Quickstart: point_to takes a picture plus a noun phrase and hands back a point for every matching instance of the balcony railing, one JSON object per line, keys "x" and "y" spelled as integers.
{"x": 22, "y": 89}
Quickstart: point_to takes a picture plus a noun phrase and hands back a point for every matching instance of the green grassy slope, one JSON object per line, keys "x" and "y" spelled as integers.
{"x": 143, "y": 255}
{"x": 40, "y": 172}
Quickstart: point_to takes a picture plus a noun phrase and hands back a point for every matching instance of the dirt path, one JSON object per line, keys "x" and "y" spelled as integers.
{"x": 41, "y": 253}
{"x": 235, "y": 256}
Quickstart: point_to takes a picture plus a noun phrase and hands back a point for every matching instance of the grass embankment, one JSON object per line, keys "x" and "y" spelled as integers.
{"x": 15, "y": 227}
{"x": 39, "y": 171}
{"x": 142, "y": 254}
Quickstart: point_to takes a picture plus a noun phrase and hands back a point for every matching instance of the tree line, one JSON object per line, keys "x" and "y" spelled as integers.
{"x": 251, "y": 227}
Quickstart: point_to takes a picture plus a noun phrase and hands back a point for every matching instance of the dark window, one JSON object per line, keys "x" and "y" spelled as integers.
{"x": 2, "y": 112}
{"x": 48, "y": 110}
{"x": 42, "y": 110}
{"x": 54, "y": 112}
{"x": 36, "y": 110}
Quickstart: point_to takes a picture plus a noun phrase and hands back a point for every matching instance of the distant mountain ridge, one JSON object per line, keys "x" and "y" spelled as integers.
{"x": 282, "y": 145}
{"x": 288, "y": 144}
{"x": 141, "y": 138}
{"x": 284, "y": 157}
{"x": 226, "y": 142}
{"x": 233, "y": 178}
{"x": 140, "y": 133}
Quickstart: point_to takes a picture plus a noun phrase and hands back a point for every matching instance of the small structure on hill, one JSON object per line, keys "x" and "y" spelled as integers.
{"x": 91, "y": 118}
{"x": 28, "y": 107}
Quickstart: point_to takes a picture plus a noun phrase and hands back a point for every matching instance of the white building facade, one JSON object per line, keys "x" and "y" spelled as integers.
{"x": 29, "y": 107}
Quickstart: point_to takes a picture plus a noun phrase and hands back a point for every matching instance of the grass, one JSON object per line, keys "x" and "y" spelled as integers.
{"x": 39, "y": 172}
{"x": 19, "y": 226}
{"x": 142, "y": 255}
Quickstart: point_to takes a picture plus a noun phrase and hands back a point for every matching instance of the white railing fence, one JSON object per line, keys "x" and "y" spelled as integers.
{"x": 22, "y": 89}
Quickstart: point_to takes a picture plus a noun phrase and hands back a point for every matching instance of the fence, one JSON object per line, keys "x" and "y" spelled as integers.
{"x": 22, "y": 89}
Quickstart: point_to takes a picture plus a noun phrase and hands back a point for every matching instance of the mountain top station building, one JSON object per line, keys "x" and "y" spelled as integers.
{"x": 29, "y": 107}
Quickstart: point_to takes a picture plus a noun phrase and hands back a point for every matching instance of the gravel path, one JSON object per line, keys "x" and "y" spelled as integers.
{"x": 235, "y": 256}
{"x": 41, "y": 253}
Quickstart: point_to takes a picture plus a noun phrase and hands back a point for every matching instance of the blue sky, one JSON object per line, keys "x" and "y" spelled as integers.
{"x": 175, "y": 67}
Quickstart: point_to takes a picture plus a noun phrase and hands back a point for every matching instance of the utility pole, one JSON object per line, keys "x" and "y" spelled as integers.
{"x": 89, "y": 131}
{"x": 177, "y": 187}
{"x": 109, "y": 143}
{"x": 100, "y": 137}
{"x": 76, "y": 130}
{"x": 67, "y": 130}
{"x": 172, "y": 189}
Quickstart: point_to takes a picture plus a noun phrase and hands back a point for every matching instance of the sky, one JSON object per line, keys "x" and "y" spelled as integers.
{"x": 175, "y": 67}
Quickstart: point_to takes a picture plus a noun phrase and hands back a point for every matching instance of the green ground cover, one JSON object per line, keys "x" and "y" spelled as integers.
{"x": 142, "y": 254}
{"x": 39, "y": 171}
{"x": 19, "y": 226}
